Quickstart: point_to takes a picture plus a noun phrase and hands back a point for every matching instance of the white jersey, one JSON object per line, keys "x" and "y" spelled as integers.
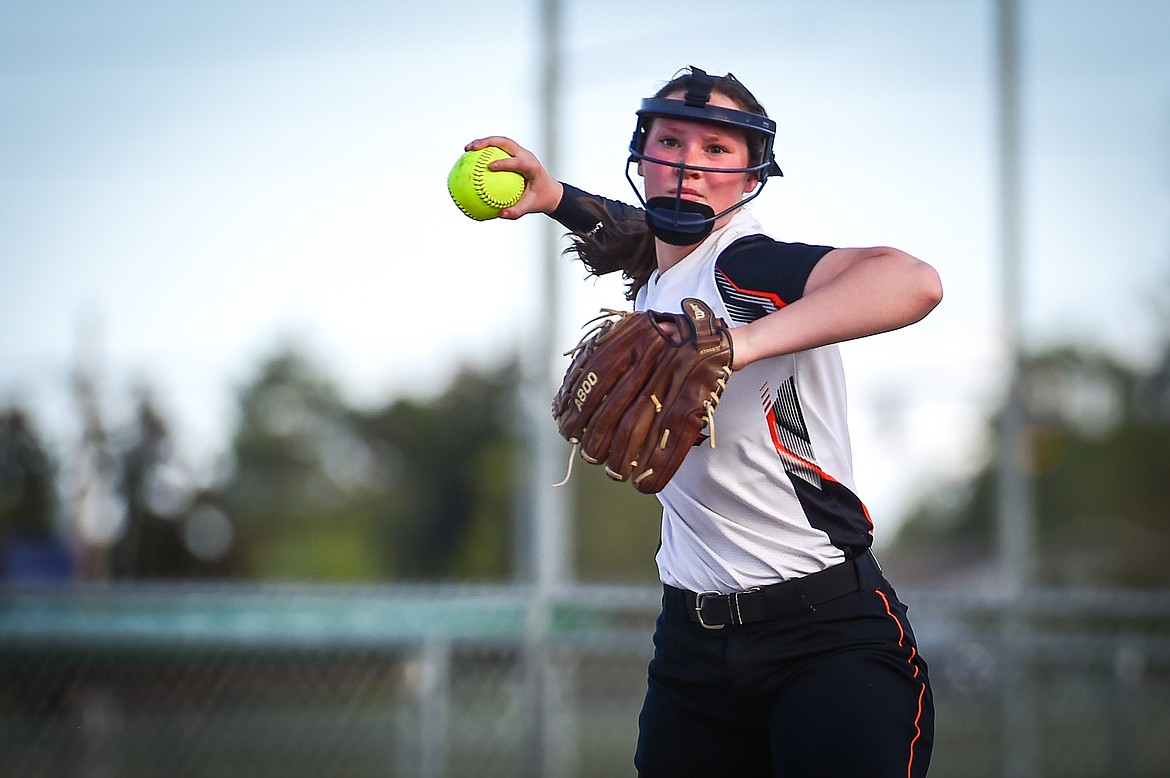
{"x": 774, "y": 499}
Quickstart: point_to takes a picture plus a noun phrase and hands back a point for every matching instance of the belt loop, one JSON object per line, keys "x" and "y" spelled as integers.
{"x": 869, "y": 572}
{"x": 737, "y": 613}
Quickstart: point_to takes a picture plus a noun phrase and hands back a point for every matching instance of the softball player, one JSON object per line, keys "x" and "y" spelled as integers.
{"x": 781, "y": 648}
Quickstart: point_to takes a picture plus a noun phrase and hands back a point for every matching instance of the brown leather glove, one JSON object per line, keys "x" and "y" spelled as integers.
{"x": 642, "y": 389}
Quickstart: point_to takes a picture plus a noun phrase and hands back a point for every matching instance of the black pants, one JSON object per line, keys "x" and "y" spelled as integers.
{"x": 837, "y": 691}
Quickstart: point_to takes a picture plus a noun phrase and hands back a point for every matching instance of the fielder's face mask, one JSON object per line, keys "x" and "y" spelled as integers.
{"x": 682, "y": 222}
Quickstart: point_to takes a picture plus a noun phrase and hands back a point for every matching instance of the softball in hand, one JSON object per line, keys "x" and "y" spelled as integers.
{"x": 481, "y": 193}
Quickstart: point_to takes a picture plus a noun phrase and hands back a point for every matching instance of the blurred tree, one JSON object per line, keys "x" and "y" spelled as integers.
{"x": 1100, "y": 458}
{"x": 458, "y": 456}
{"x": 159, "y": 535}
{"x": 95, "y": 510}
{"x": 30, "y": 547}
{"x": 26, "y": 477}
{"x": 616, "y": 528}
{"x": 302, "y": 480}
{"x": 415, "y": 489}
{"x": 450, "y": 510}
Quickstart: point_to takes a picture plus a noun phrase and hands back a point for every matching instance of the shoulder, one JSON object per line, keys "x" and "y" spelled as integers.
{"x": 760, "y": 247}
{"x": 760, "y": 268}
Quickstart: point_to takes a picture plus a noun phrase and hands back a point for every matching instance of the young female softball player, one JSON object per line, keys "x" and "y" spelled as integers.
{"x": 781, "y": 648}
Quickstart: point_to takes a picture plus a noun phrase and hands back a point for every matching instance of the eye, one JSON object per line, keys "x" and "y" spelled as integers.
{"x": 668, "y": 142}
{"x": 715, "y": 149}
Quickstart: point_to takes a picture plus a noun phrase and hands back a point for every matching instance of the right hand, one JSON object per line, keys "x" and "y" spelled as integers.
{"x": 542, "y": 192}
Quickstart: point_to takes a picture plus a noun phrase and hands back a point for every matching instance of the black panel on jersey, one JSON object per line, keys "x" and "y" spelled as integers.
{"x": 756, "y": 275}
{"x": 836, "y": 511}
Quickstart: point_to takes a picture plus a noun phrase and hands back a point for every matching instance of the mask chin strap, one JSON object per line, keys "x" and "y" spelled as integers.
{"x": 677, "y": 221}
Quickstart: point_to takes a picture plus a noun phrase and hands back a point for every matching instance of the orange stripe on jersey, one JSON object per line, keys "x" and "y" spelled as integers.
{"x": 772, "y": 297}
{"x": 799, "y": 462}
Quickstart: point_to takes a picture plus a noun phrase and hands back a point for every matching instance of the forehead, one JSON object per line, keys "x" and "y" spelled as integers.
{"x": 718, "y": 100}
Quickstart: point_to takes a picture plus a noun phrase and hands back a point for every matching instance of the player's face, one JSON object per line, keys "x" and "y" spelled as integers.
{"x": 702, "y": 145}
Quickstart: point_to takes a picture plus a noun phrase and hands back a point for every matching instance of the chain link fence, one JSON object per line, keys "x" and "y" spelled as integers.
{"x": 422, "y": 681}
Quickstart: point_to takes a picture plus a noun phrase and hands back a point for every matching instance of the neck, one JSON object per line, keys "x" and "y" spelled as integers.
{"x": 668, "y": 256}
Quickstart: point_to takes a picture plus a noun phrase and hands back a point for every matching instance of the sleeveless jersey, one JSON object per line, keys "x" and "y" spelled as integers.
{"x": 774, "y": 499}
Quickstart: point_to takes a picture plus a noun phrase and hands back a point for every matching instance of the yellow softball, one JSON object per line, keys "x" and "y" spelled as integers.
{"x": 481, "y": 193}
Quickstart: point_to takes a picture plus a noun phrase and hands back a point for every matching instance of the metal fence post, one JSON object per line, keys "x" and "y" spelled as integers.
{"x": 435, "y": 710}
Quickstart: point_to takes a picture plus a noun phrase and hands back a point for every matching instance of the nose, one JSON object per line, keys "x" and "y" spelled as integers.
{"x": 687, "y": 156}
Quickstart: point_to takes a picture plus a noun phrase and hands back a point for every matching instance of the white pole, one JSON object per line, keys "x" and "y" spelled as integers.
{"x": 549, "y": 507}
{"x": 1015, "y": 522}
{"x": 552, "y": 546}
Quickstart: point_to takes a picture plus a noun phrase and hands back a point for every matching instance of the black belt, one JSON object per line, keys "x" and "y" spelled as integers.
{"x": 767, "y": 603}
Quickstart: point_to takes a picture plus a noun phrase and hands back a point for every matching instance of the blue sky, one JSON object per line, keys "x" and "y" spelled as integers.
{"x": 185, "y": 186}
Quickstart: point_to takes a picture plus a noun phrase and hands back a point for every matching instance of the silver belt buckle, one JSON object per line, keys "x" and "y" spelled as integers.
{"x": 699, "y": 609}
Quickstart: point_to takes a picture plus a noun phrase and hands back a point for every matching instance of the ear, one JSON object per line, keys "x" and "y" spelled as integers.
{"x": 750, "y": 182}
{"x": 639, "y": 169}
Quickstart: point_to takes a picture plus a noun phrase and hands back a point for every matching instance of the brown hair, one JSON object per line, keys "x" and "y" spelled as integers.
{"x": 628, "y": 246}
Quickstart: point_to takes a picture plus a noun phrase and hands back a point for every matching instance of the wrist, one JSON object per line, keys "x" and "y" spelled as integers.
{"x": 740, "y": 347}
{"x": 556, "y": 193}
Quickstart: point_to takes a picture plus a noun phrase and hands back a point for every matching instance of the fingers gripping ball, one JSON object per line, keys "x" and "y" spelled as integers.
{"x": 481, "y": 193}
{"x": 641, "y": 391}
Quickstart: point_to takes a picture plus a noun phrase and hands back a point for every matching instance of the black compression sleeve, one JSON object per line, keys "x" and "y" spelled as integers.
{"x": 572, "y": 213}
